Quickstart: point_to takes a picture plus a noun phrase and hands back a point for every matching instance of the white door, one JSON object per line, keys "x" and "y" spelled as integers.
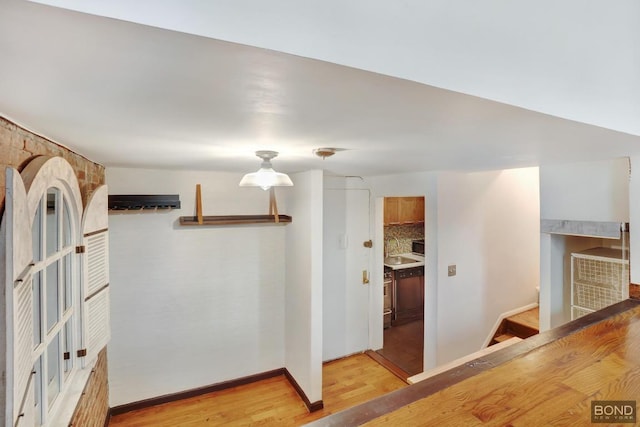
{"x": 345, "y": 296}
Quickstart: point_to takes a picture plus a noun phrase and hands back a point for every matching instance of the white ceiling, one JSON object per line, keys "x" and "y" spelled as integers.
{"x": 126, "y": 94}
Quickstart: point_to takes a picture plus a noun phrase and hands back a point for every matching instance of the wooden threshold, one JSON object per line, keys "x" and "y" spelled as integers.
{"x": 388, "y": 365}
{"x": 396, "y": 400}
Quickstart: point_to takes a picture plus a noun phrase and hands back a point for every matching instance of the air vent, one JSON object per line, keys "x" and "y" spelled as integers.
{"x": 121, "y": 202}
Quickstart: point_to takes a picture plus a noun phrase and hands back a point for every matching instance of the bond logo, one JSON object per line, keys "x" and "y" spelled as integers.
{"x": 613, "y": 411}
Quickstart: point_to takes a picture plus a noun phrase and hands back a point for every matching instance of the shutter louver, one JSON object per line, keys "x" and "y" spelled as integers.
{"x": 97, "y": 330}
{"x": 17, "y": 254}
{"x": 23, "y": 343}
{"x": 97, "y": 262}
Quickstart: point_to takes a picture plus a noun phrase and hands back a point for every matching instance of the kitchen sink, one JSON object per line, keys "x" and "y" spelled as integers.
{"x": 397, "y": 260}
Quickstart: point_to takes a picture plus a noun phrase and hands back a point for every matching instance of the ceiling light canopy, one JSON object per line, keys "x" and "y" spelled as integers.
{"x": 324, "y": 152}
{"x": 266, "y": 177}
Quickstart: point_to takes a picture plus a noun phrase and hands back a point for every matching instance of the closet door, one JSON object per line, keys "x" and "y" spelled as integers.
{"x": 17, "y": 262}
{"x": 95, "y": 270}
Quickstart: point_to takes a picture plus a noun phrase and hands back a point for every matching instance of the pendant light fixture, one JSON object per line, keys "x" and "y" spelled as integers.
{"x": 266, "y": 177}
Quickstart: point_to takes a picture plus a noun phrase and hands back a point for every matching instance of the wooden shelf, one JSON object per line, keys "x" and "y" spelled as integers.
{"x": 235, "y": 220}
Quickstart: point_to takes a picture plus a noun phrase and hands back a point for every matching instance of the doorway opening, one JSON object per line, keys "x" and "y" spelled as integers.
{"x": 403, "y": 290}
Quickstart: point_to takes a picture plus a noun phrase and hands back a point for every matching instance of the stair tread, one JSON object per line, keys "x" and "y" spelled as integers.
{"x": 529, "y": 319}
{"x": 503, "y": 337}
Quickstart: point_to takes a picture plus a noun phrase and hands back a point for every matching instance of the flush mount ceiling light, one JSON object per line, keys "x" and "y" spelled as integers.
{"x": 266, "y": 177}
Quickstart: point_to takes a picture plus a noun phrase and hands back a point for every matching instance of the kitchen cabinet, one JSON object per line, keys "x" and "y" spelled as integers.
{"x": 403, "y": 210}
{"x": 392, "y": 211}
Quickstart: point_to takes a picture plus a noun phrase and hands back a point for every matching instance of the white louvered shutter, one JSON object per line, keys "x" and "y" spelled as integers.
{"x": 18, "y": 262}
{"x": 96, "y": 323}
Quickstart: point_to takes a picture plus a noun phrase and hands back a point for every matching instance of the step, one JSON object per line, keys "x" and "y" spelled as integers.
{"x": 503, "y": 337}
{"x": 519, "y": 329}
{"x": 528, "y": 319}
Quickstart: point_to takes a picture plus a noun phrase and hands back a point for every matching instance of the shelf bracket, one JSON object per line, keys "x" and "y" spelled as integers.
{"x": 273, "y": 205}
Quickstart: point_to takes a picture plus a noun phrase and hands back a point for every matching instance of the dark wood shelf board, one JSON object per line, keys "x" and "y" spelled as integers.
{"x": 234, "y": 220}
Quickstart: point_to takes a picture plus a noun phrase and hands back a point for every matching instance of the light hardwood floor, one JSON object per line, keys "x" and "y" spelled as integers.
{"x": 551, "y": 385}
{"x": 346, "y": 383}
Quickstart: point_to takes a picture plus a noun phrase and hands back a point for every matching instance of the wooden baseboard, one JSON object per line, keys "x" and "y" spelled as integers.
{"x": 142, "y": 404}
{"x": 312, "y": 407}
{"x": 160, "y": 400}
{"x": 634, "y": 291}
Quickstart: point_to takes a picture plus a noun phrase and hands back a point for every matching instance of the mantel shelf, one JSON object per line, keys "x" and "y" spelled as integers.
{"x": 235, "y": 220}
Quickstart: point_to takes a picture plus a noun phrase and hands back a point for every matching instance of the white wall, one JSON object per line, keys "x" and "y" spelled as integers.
{"x": 589, "y": 191}
{"x": 486, "y": 223}
{"x": 334, "y": 310}
{"x": 488, "y": 226}
{"x": 192, "y": 306}
{"x": 303, "y": 301}
{"x": 634, "y": 218}
{"x": 345, "y": 298}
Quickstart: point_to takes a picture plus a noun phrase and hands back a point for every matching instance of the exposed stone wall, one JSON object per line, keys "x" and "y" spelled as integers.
{"x": 18, "y": 147}
{"x": 93, "y": 408}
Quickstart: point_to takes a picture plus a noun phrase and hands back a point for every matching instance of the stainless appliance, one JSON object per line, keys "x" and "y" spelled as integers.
{"x": 387, "y": 306}
{"x": 417, "y": 246}
{"x": 408, "y": 295}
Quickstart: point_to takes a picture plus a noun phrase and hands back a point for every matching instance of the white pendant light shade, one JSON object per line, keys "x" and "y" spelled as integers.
{"x": 266, "y": 177}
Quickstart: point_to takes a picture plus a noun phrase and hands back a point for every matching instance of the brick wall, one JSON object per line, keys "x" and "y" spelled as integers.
{"x": 17, "y": 147}
{"x": 93, "y": 408}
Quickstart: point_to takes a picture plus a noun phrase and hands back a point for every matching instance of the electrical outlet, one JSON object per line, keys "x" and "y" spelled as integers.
{"x": 452, "y": 270}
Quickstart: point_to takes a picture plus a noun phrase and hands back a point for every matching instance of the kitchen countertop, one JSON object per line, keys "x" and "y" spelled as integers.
{"x": 419, "y": 261}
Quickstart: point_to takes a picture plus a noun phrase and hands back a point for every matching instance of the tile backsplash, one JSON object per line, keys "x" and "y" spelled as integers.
{"x": 405, "y": 234}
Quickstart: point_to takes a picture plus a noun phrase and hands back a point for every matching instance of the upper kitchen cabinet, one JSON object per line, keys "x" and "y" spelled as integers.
{"x": 392, "y": 211}
{"x": 403, "y": 210}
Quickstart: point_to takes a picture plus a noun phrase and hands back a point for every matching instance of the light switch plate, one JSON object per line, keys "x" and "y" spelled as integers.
{"x": 452, "y": 270}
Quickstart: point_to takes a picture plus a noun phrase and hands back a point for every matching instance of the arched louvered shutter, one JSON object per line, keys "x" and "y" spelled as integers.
{"x": 17, "y": 254}
{"x": 95, "y": 263}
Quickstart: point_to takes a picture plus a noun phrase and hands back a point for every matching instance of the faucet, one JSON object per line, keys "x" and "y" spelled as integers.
{"x": 386, "y": 246}
{"x": 397, "y": 245}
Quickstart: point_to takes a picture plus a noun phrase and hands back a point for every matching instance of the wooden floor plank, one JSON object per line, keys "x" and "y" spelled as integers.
{"x": 346, "y": 383}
